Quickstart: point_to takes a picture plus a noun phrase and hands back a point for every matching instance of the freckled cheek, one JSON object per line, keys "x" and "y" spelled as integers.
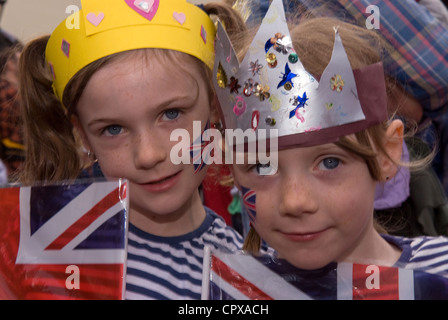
{"x": 114, "y": 165}
{"x": 356, "y": 211}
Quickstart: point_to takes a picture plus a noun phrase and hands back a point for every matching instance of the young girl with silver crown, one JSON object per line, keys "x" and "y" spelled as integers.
{"x": 319, "y": 88}
{"x": 120, "y": 82}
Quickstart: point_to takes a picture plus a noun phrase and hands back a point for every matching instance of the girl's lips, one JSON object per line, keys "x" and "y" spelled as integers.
{"x": 303, "y": 237}
{"x": 161, "y": 185}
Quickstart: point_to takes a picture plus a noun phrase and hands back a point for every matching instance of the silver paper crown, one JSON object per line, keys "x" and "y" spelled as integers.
{"x": 271, "y": 89}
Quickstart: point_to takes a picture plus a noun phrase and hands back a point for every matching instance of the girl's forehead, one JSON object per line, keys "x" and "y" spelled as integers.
{"x": 150, "y": 67}
{"x": 173, "y": 62}
{"x": 139, "y": 84}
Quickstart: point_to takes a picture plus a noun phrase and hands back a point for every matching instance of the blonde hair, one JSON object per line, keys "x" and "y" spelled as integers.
{"x": 53, "y": 148}
{"x": 313, "y": 39}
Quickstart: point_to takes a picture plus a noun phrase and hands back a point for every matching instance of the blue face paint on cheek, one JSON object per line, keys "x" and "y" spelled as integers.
{"x": 197, "y": 149}
{"x": 249, "y": 199}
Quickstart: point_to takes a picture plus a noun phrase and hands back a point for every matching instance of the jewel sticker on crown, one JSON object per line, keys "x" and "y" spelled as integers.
{"x": 272, "y": 84}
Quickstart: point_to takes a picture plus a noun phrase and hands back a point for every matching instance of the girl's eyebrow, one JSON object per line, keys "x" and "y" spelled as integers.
{"x": 178, "y": 100}
{"x": 102, "y": 122}
{"x": 183, "y": 99}
{"x": 326, "y": 147}
{"x": 174, "y": 102}
{"x": 191, "y": 95}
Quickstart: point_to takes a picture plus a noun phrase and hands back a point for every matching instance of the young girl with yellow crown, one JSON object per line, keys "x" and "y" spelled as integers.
{"x": 132, "y": 72}
{"x": 319, "y": 90}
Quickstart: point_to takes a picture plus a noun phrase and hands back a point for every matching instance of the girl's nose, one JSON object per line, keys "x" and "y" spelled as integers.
{"x": 149, "y": 150}
{"x": 297, "y": 198}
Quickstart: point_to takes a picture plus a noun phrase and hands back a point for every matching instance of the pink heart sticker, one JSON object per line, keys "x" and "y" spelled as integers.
{"x": 95, "y": 19}
{"x": 145, "y": 8}
{"x": 179, "y": 17}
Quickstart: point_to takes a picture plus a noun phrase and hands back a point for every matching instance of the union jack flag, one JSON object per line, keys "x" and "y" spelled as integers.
{"x": 233, "y": 276}
{"x": 63, "y": 241}
{"x": 201, "y": 148}
{"x": 249, "y": 198}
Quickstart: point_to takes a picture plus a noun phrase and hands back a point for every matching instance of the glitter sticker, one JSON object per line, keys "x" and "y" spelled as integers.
{"x": 283, "y": 45}
{"x": 271, "y": 59}
{"x": 53, "y": 74}
{"x": 255, "y": 119}
{"x": 293, "y": 58}
{"x": 287, "y": 78}
{"x": 65, "y": 47}
{"x": 280, "y": 43}
{"x": 204, "y": 34}
{"x": 240, "y": 106}
{"x": 248, "y": 87}
{"x": 287, "y": 86}
{"x": 298, "y": 102}
{"x": 336, "y": 83}
{"x": 276, "y": 103}
{"x": 143, "y": 5}
{"x": 262, "y": 92}
{"x": 270, "y": 121}
{"x": 145, "y": 8}
{"x": 234, "y": 86}
{"x": 221, "y": 76}
{"x": 255, "y": 68}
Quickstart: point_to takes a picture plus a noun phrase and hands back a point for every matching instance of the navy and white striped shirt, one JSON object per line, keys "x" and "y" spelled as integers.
{"x": 429, "y": 254}
{"x": 170, "y": 268}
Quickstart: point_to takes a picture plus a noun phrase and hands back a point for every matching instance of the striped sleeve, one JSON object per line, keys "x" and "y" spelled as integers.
{"x": 428, "y": 254}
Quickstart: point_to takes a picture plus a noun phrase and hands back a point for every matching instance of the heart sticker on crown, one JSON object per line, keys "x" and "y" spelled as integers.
{"x": 95, "y": 19}
{"x": 146, "y": 8}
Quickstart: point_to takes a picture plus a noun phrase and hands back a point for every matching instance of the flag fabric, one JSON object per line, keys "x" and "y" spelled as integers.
{"x": 234, "y": 276}
{"x": 65, "y": 241}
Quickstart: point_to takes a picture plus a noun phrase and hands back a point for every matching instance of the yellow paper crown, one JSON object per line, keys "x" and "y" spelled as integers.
{"x": 111, "y": 26}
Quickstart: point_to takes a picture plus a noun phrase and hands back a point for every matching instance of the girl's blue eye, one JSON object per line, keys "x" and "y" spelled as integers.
{"x": 172, "y": 114}
{"x": 265, "y": 169}
{"x": 330, "y": 163}
{"x": 113, "y": 130}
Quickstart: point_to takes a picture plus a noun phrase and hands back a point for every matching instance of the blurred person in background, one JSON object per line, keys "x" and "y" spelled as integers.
{"x": 11, "y": 137}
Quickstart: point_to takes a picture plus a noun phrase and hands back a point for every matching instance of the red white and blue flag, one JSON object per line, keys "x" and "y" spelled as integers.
{"x": 64, "y": 241}
{"x": 233, "y": 276}
{"x": 201, "y": 149}
{"x": 249, "y": 200}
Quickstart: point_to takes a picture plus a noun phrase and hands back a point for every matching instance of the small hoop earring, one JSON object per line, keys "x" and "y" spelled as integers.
{"x": 92, "y": 157}
{"x": 218, "y": 126}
